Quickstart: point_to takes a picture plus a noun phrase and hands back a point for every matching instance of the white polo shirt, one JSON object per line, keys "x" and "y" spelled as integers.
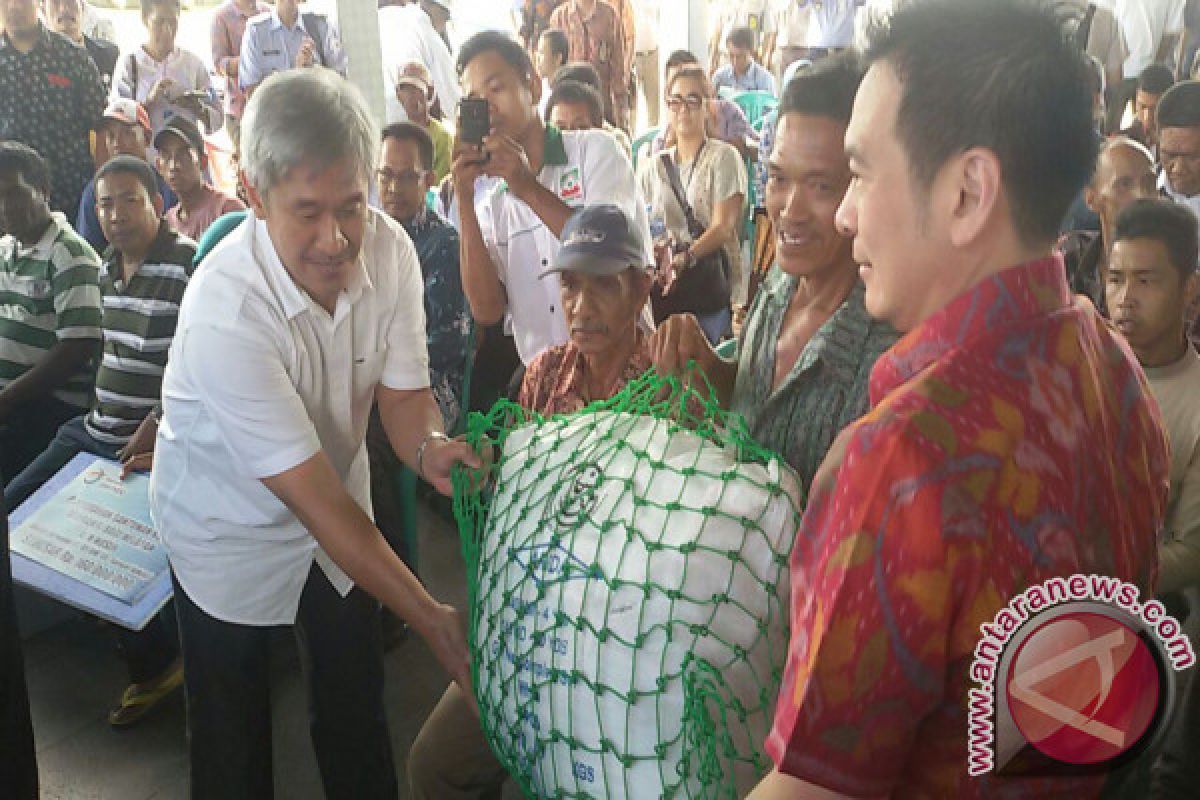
{"x": 259, "y": 378}
{"x": 581, "y": 168}
{"x": 1143, "y": 24}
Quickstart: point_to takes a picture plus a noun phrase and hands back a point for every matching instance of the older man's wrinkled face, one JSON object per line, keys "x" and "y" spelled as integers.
{"x": 1124, "y": 173}
{"x": 1179, "y": 152}
{"x": 602, "y": 310}
{"x": 806, "y": 179}
{"x": 316, "y": 216}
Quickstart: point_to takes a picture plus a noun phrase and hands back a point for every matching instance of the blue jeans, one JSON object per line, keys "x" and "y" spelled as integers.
{"x": 71, "y": 440}
{"x": 151, "y": 650}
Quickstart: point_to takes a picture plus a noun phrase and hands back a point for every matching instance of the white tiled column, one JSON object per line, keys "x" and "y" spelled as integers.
{"x": 358, "y": 22}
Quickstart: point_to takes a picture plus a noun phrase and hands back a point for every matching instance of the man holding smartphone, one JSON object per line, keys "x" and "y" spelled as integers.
{"x": 510, "y": 233}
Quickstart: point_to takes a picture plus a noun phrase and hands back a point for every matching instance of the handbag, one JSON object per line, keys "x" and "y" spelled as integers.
{"x": 703, "y": 287}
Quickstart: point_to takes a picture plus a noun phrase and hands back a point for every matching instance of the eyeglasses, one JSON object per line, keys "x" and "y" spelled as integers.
{"x": 400, "y": 180}
{"x": 692, "y": 101}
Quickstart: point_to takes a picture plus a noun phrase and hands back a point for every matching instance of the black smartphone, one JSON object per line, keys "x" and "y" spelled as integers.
{"x": 474, "y": 122}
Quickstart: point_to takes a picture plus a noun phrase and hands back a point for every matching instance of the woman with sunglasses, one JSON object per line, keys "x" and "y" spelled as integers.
{"x": 704, "y": 178}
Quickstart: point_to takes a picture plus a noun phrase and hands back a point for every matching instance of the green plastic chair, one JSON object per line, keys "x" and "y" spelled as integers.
{"x": 754, "y": 104}
{"x": 406, "y": 478}
{"x": 641, "y": 141}
{"x": 727, "y": 349}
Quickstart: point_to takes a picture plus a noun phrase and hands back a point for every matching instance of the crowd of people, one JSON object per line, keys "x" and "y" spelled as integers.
{"x": 940, "y": 255}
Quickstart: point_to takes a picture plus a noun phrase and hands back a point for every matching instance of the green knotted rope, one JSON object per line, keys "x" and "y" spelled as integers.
{"x": 530, "y": 662}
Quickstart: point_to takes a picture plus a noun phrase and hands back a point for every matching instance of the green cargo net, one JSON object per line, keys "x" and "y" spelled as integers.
{"x": 628, "y": 577}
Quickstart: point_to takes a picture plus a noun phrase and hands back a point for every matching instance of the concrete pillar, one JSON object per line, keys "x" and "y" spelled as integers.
{"x": 358, "y": 22}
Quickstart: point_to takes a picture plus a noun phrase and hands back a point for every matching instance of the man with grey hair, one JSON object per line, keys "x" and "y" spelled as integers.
{"x": 303, "y": 315}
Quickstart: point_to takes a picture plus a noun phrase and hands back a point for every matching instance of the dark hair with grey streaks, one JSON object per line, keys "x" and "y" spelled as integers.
{"x": 305, "y": 116}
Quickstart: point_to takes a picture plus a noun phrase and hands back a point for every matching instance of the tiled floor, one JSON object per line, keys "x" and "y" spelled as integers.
{"x": 74, "y": 675}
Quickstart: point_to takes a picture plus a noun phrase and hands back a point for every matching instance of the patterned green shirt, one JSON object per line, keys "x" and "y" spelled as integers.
{"x": 826, "y": 388}
{"x": 139, "y": 324}
{"x": 48, "y": 293}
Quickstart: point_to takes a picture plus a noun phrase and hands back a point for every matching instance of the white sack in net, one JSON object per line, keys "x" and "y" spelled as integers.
{"x": 585, "y": 684}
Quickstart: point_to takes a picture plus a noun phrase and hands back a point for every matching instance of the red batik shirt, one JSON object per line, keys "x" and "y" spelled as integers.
{"x": 1011, "y": 438}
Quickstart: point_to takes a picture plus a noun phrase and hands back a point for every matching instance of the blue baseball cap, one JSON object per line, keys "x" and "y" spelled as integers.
{"x": 599, "y": 240}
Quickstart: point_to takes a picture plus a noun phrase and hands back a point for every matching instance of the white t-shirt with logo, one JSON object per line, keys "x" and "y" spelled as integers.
{"x": 581, "y": 168}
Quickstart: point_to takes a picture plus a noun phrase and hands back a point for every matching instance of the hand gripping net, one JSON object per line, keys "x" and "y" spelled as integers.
{"x": 628, "y": 577}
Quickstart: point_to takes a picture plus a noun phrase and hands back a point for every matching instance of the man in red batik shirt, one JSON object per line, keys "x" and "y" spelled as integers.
{"x": 1012, "y": 436}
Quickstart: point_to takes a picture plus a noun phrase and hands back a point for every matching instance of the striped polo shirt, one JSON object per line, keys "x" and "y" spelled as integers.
{"x": 139, "y": 323}
{"x": 48, "y": 293}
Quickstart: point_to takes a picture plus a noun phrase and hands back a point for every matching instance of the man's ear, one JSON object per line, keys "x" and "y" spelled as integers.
{"x": 971, "y": 190}
{"x": 1191, "y": 293}
{"x": 256, "y": 203}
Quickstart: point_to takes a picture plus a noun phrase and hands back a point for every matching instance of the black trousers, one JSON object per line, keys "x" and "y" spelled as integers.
{"x": 18, "y": 766}
{"x": 227, "y": 679}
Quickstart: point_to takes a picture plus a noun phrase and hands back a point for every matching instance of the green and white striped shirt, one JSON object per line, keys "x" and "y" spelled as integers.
{"x": 48, "y": 293}
{"x": 139, "y": 324}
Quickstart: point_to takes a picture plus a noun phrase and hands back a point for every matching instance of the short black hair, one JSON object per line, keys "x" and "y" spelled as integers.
{"x": 1155, "y": 79}
{"x": 1164, "y": 221}
{"x": 579, "y": 93}
{"x": 131, "y": 165}
{"x": 742, "y": 37}
{"x": 149, "y": 5}
{"x": 578, "y": 71}
{"x": 21, "y": 159}
{"x": 497, "y": 42}
{"x": 412, "y": 132}
{"x": 826, "y": 89}
{"x": 678, "y": 58}
{"x": 559, "y": 45}
{"x": 997, "y": 74}
{"x": 1179, "y": 107}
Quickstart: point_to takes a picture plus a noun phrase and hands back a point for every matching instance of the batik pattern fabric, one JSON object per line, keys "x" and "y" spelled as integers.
{"x": 556, "y": 381}
{"x": 447, "y": 316}
{"x": 1012, "y": 438}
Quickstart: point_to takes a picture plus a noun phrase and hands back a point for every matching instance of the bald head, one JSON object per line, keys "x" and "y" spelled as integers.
{"x": 1124, "y": 173}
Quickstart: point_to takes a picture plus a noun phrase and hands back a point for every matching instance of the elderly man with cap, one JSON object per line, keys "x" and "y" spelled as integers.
{"x": 605, "y": 282}
{"x": 415, "y": 93}
{"x": 182, "y": 160}
{"x": 124, "y": 130}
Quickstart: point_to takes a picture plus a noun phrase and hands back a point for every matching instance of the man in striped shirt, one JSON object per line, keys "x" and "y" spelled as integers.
{"x": 49, "y": 312}
{"x": 146, "y": 268}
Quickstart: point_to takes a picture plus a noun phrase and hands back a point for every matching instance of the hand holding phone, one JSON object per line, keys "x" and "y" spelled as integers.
{"x": 474, "y": 120}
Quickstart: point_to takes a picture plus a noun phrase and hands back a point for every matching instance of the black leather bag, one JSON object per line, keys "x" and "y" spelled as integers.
{"x": 702, "y": 288}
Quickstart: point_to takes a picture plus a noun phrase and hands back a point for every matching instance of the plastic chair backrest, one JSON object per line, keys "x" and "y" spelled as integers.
{"x": 643, "y": 140}
{"x": 755, "y": 104}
